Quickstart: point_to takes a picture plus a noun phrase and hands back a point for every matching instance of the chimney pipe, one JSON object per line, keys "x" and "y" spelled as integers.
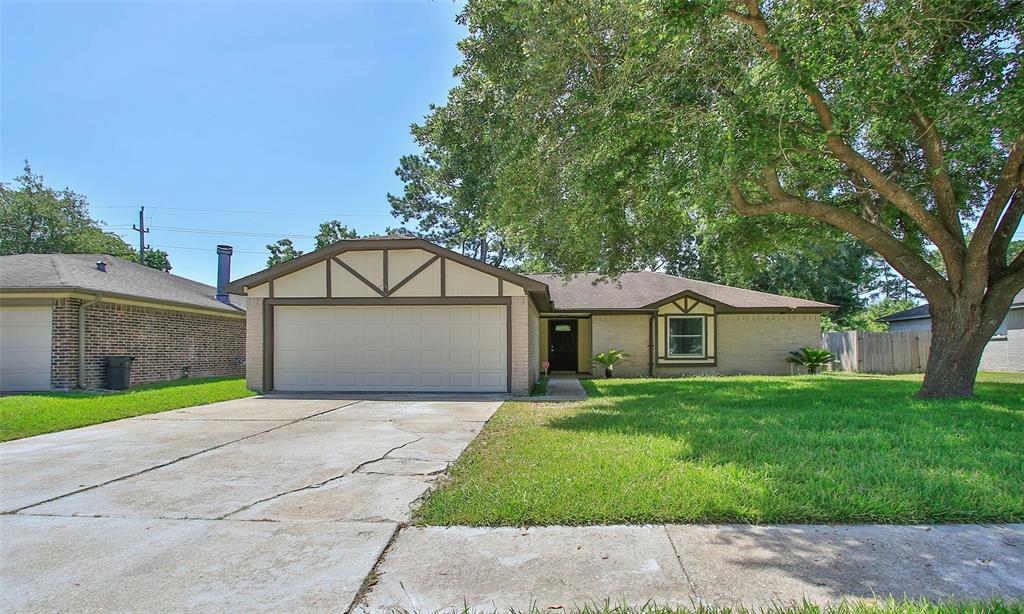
{"x": 101, "y": 266}
{"x": 223, "y": 272}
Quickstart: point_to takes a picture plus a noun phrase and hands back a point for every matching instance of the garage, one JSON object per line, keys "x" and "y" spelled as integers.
{"x": 391, "y": 314}
{"x": 25, "y": 336}
{"x": 418, "y": 348}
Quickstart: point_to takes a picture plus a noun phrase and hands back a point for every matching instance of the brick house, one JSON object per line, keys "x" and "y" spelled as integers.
{"x": 398, "y": 313}
{"x": 62, "y": 315}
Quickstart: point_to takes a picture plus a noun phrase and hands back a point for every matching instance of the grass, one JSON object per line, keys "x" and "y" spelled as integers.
{"x": 882, "y": 606}
{"x": 25, "y": 415}
{"x": 822, "y": 449}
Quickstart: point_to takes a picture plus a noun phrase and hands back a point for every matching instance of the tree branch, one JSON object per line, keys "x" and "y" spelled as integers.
{"x": 1003, "y": 236}
{"x": 905, "y": 260}
{"x": 1011, "y": 181}
{"x": 951, "y": 249}
{"x": 942, "y": 186}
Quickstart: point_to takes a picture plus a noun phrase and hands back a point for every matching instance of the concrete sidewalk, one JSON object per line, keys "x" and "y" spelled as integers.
{"x": 431, "y": 569}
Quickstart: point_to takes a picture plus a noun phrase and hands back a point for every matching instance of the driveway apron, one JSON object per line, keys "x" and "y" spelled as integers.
{"x": 263, "y": 503}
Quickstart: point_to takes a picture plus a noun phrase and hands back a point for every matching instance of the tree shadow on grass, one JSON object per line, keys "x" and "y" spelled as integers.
{"x": 826, "y": 449}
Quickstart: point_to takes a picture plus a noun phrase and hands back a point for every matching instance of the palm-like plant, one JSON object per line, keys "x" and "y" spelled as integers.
{"x": 608, "y": 359}
{"x": 812, "y": 359}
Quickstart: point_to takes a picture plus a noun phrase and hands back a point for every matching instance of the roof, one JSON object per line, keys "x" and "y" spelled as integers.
{"x": 538, "y": 290}
{"x": 922, "y": 312}
{"x": 71, "y": 272}
{"x": 647, "y": 289}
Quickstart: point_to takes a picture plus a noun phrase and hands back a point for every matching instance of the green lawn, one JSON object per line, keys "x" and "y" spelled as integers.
{"x": 882, "y": 606}
{"x": 25, "y": 415}
{"x": 827, "y": 448}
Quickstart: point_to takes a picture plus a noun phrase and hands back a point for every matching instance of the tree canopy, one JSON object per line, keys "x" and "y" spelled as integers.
{"x": 38, "y": 219}
{"x": 614, "y": 129}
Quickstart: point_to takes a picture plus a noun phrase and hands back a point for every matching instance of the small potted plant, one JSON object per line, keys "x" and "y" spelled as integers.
{"x": 811, "y": 359}
{"x": 609, "y": 359}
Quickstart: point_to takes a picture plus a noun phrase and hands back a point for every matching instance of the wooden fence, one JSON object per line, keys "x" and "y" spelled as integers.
{"x": 879, "y": 352}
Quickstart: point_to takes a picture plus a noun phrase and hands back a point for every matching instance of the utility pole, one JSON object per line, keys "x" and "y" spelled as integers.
{"x": 142, "y": 230}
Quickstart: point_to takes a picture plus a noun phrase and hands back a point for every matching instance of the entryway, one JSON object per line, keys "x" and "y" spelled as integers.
{"x": 563, "y": 345}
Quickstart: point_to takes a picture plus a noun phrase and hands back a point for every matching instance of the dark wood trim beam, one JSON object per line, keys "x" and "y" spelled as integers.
{"x": 268, "y": 346}
{"x": 356, "y": 274}
{"x": 410, "y": 276}
{"x": 397, "y": 301}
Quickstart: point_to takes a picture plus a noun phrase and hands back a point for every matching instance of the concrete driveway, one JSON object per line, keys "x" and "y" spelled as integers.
{"x": 263, "y": 503}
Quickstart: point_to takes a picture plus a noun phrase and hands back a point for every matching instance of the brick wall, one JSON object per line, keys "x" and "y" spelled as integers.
{"x": 534, "y": 348}
{"x": 164, "y": 342}
{"x": 254, "y": 343}
{"x": 747, "y": 343}
{"x": 629, "y": 333}
{"x": 520, "y": 346}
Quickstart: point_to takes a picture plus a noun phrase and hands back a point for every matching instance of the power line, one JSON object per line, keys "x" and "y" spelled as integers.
{"x": 205, "y": 249}
{"x": 335, "y": 213}
{"x": 213, "y": 231}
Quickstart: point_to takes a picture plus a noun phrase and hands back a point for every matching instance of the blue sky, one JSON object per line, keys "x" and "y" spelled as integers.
{"x": 299, "y": 110}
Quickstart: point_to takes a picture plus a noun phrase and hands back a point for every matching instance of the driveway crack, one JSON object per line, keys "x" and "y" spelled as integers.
{"x": 679, "y": 559}
{"x": 176, "y": 460}
{"x": 319, "y": 484}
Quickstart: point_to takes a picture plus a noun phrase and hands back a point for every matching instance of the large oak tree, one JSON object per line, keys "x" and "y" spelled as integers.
{"x": 897, "y": 122}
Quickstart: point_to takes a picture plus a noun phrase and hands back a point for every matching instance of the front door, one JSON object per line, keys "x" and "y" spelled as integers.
{"x": 563, "y": 349}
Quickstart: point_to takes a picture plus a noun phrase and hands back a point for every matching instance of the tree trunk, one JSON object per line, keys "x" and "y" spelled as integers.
{"x": 959, "y": 337}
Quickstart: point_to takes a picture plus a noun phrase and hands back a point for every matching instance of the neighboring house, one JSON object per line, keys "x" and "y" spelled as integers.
{"x": 61, "y": 315}
{"x": 1004, "y": 352}
{"x": 402, "y": 314}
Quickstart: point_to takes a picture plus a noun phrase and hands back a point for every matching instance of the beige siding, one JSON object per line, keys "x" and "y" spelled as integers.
{"x": 534, "y": 349}
{"x": 304, "y": 283}
{"x": 254, "y": 343}
{"x": 427, "y": 283}
{"x": 1006, "y": 354}
{"x": 583, "y": 330}
{"x": 402, "y": 262}
{"x": 260, "y": 291}
{"x": 510, "y": 289}
{"x": 369, "y": 264}
{"x": 628, "y": 333}
{"x": 520, "y": 346}
{"x": 461, "y": 280}
{"x": 347, "y": 285}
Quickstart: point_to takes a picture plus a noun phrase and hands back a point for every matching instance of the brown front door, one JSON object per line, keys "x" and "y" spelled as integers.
{"x": 563, "y": 349}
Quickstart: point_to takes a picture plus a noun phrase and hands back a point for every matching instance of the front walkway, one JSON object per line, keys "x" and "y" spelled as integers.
{"x": 564, "y": 388}
{"x": 495, "y": 569}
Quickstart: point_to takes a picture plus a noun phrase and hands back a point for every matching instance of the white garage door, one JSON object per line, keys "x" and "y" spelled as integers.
{"x": 400, "y": 348}
{"x": 25, "y": 348}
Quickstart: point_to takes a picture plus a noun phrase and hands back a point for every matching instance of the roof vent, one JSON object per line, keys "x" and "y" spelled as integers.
{"x": 101, "y": 266}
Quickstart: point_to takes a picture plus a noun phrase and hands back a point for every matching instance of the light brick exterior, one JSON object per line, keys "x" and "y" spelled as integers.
{"x": 628, "y": 333}
{"x": 254, "y": 343}
{"x": 521, "y": 367}
{"x": 534, "y": 349}
{"x": 167, "y": 344}
{"x": 747, "y": 343}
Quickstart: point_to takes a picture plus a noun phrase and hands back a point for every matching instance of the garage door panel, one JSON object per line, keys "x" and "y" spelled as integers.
{"x": 25, "y": 347}
{"x": 401, "y": 348}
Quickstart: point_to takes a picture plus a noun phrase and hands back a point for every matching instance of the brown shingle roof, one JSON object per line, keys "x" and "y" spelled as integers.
{"x": 78, "y": 272}
{"x": 646, "y": 288}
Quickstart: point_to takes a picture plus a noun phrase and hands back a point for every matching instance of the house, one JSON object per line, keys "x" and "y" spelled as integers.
{"x": 397, "y": 313}
{"x": 61, "y": 315}
{"x": 1004, "y": 352}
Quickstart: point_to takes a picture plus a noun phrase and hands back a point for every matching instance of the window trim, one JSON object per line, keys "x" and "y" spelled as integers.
{"x": 703, "y": 336}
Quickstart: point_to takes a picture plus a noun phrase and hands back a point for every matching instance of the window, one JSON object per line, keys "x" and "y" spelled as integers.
{"x": 686, "y": 336}
{"x": 563, "y": 328}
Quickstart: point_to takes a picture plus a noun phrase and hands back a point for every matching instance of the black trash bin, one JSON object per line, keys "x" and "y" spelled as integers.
{"x": 119, "y": 372}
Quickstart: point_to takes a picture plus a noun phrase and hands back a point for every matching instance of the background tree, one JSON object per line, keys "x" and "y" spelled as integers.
{"x": 897, "y": 123}
{"x": 38, "y": 219}
{"x": 332, "y": 232}
{"x": 329, "y": 232}
{"x": 281, "y": 250}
